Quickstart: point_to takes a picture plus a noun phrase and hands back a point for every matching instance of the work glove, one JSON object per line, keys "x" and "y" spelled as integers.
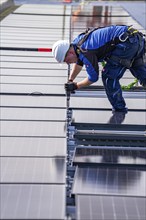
{"x": 70, "y": 87}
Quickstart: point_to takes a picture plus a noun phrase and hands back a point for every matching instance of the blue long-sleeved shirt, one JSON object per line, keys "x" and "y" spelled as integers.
{"x": 91, "y": 47}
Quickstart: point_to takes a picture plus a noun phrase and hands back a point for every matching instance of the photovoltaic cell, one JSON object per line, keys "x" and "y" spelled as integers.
{"x": 110, "y": 207}
{"x": 28, "y": 201}
{"x": 109, "y": 181}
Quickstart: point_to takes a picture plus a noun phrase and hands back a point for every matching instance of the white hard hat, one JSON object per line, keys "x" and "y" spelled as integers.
{"x": 60, "y": 49}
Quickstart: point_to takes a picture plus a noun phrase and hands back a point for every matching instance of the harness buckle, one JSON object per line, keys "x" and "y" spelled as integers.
{"x": 120, "y": 37}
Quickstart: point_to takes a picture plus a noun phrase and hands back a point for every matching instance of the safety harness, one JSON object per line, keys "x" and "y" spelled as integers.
{"x": 102, "y": 51}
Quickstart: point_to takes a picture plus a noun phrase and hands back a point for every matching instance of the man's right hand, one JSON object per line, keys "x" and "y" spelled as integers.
{"x": 70, "y": 86}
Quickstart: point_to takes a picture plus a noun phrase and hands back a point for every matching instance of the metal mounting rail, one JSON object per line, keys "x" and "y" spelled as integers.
{"x": 113, "y": 127}
{"x": 110, "y": 136}
{"x": 109, "y": 141}
{"x": 113, "y": 132}
{"x": 127, "y": 148}
{"x": 101, "y": 94}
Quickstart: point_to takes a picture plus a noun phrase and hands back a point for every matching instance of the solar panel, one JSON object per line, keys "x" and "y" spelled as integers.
{"x": 34, "y": 18}
{"x": 32, "y": 89}
{"x": 33, "y": 72}
{"x": 107, "y": 117}
{"x": 28, "y": 201}
{"x": 8, "y": 37}
{"x": 111, "y": 156}
{"x": 110, "y": 207}
{"x": 27, "y": 65}
{"x": 33, "y": 129}
{"x": 33, "y": 101}
{"x": 97, "y": 8}
{"x": 109, "y": 181}
{"x": 106, "y": 21}
{"x": 98, "y": 103}
{"x": 31, "y": 114}
{"x": 13, "y": 31}
{"x": 35, "y": 43}
{"x": 31, "y": 21}
{"x": 33, "y": 147}
{"x": 44, "y": 9}
{"x": 34, "y": 80}
{"x": 33, "y": 170}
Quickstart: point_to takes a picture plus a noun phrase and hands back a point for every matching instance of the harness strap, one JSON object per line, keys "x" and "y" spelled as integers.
{"x": 87, "y": 33}
{"x": 109, "y": 46}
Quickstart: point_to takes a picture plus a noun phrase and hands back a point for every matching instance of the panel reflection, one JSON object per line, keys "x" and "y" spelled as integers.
{"x": 111, "y": 181}
{"x": 110, "y": 156}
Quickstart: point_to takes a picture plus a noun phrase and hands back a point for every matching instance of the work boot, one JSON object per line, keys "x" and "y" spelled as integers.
{"x": 117, "y": 118}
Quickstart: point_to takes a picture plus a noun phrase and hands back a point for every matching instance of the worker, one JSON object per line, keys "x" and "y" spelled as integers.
{"x": 120, "y": 47}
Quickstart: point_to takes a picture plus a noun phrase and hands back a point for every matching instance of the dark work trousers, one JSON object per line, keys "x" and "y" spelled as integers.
{"x": 132, "y": 50}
